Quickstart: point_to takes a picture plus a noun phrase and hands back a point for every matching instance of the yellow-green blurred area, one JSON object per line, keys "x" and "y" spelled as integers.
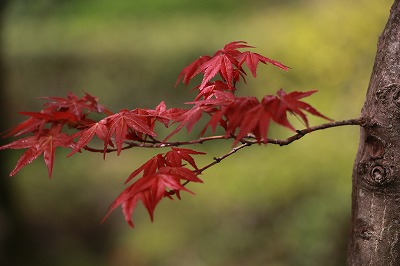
{"x": 266, "y": 205}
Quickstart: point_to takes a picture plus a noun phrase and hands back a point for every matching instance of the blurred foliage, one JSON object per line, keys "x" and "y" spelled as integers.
{"x": 265, "y": 205}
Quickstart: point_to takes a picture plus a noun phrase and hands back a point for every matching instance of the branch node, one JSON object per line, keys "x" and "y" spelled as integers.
{"x": 367, "y": 122}
{"x": 300, "y": 132}
{"x": 217, "y": 159}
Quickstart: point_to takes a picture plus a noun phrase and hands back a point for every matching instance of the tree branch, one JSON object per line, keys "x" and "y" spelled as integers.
{"x": 301, "y": 133}
{"x": 246, "y": 143}
{"x": 154, "y": 143}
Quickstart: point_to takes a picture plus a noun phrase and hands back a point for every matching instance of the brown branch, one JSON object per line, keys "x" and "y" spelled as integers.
{"x": 299, "y": 135}
{"x": 154, "y": 143}
{"x": 158, "y": 144}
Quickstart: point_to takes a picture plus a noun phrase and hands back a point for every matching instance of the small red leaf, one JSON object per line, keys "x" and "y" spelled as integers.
{"x": 292, "y": 104}
{"x": 119, "y": 124}
{"x": 79, "y": 107}
{"x": 233, "y": 46}
{"x": 188, "y": 119}
{"x": 192, "y": 70}
{"x": 252, "y": 60}
{"x": 85, "y": 136}
{"x": 176, "y": 155}
{"x": 149, "y": 168}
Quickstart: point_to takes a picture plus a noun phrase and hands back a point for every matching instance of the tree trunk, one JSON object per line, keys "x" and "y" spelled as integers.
{"x": 375, "y": 222}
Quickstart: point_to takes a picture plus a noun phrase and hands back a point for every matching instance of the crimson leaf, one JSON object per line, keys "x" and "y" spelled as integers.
{"x": 120, "y": 123}
{"x": 99, "y": 129}
{"x": 76, "y": 106}
{"x": 252, "y": 59}
{"x": 151, "y": 189}
{"x": 45, "y": 143}
{"x": 176, "y": 155}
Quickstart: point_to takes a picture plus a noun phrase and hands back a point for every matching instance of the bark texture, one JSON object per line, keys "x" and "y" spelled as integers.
{"x": 375, "y": 225}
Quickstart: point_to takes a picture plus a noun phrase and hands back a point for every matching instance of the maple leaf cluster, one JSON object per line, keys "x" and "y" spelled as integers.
{"x": 162, "y": 176}
{"x": 67, "y": 123}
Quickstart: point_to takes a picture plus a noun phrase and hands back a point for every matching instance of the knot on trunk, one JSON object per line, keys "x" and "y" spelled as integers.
{"x": 375, "y": 175}
{"x": 373, "y": 168}
{"x": 379, "y": 176}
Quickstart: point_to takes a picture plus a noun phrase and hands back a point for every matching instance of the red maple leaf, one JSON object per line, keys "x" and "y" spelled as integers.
{"x": 191, "y": 70}
{"x": 161, "y": 114}
{"x": 240, "y": 116}
{"x": 162, "y": 176}
{"x": 243, "y": 113}
{"x": 252, "y": 60}
{"x": 54, "y": 117}
{"x": 79, "y": 107}
{"x": 216, "y": 106}
{"x": 279, "y": 106}
{"x": 45, "y": 143}
{"x": 188, "y": 119}
{"x": 208, "y": 106}
{"x": 252, "y": 117}
{"x": 151, "y": 189}
{"x": 158, "y": 114}
{"x": 222, "y": 63}
{"x": 30, "y": 125}
{"x": 149, "y": 168}
{"x": 35, "y": 123}
{"x": 227, "y": 62}
{"x": 70, "y": 110}
{"x": 120, "y": 123}
{"x": 85, "y": 136}
{"x": 232, "y": 47}
{"x": 209, "y": 91}
{"x": 177, "y": 155}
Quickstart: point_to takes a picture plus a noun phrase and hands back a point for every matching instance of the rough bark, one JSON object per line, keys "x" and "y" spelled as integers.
{"x": 375, "y": 224}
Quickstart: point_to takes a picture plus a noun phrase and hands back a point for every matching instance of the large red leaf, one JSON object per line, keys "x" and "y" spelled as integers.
{"x": 45, "y": 143}
{"x": 228, "y": 63}
{"x": 151, "y": 189}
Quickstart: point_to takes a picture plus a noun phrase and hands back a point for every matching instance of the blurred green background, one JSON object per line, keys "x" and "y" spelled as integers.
{"x": 264, "y": 206}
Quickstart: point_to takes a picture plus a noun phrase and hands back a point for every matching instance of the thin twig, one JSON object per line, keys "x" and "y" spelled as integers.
{"x": 219, "y": 159}
{"x": 157, "y": 144}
